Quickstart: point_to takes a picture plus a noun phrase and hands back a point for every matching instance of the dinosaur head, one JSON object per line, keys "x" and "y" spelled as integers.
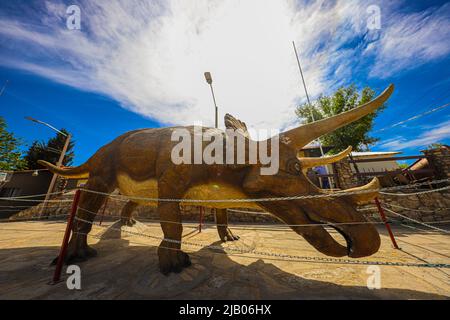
{"x": 307, "y": 216}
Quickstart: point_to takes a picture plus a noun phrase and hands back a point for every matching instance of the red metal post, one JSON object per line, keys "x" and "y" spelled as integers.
{"x": 63, "y": 250}
{"x": 386, "y": 223}
{"x": 201, "y": 220}
{"x": 103, "y": 211}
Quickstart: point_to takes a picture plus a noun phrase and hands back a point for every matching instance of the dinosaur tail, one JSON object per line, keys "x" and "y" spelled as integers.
{"x": 79, "y": 172}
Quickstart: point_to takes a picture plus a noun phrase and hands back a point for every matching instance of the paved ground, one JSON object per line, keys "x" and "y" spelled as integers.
{"x": 126, "y": 267}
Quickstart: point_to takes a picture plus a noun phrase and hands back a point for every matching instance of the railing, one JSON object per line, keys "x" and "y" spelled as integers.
{"x": 410, "y": 175}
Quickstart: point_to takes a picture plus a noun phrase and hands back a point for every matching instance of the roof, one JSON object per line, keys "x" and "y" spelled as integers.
{"x": 375, "y": 154}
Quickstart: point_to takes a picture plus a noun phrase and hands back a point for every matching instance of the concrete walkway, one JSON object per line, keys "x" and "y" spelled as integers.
{"x": 127, "y": 267}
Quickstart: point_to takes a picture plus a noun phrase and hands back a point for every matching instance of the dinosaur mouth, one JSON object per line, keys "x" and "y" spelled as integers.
{"x": 361, "y": 238}
{"x": 347, "y": 238}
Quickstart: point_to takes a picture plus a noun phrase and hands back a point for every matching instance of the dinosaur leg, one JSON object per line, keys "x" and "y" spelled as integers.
{"x": 78, "y": 249}
{"x": 225, "y": 233}
{"x": 171, "y": 258}
{"x": 126, "y": 216}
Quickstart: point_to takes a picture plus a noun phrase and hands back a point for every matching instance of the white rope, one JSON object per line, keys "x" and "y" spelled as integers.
{"x": 367, "y": 209}
{"x": 37, "y": 195}
{"x": 279, "y": 255}
{"x": 416, "y": 221}
{"x": 418, "y": 210}
{"x": 416, "y": 193}
{"x": 270, "y": 225}
{"x": 250, "y": 212}
{"x": 32, "y": 200}
{"x": 21, "y": 219}
{"x": 312, "y": 196}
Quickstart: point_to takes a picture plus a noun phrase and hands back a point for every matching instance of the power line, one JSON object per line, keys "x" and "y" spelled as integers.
{"x": 4, "y": 86}
{"x": 414, "y": 117}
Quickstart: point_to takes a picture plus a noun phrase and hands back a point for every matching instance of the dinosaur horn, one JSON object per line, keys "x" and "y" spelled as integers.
{"x": 301, "y": 136}
{"x": 315, "y": 162}
{"x": 373, "y": 186}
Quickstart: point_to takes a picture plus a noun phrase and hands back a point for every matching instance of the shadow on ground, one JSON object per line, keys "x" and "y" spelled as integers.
{"x": 121, "y": 271}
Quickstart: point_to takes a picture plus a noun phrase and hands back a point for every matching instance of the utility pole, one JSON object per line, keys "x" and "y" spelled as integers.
{"x": 209, "y": 81}
{"x": 54, "y": 178}
{"x": 310, "y": 105}
{"x": 58, "y": 164}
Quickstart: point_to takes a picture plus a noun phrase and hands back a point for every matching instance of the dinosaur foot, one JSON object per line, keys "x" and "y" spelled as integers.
{"x": 172, "y": 261}
{"x": 128, "y": 221}
{"x": 78, "y": 255}
{"x": 225, "y": 235}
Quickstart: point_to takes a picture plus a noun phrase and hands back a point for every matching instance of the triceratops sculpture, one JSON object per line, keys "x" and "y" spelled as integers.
{"x": 139, "y": 164}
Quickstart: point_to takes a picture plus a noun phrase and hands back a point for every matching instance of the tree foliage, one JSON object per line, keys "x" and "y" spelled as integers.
{"x": 344, "y": 99}
{"x": 49, "y": 151}
{"x": 10, "y": 155}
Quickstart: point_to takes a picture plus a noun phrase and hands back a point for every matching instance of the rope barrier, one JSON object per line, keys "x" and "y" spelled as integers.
{"x": 32, "y": 218}
{"x": 312, "y": 196}
{"x": 280, "y": 224}
{"x": 418, "y": 222}
{"x": 294, "y": 257}
{"x": 418, "y": 210}
{"x": 34, "y": 200}
{"x": 37, "y": 195}
{"x": 250, "y": 212}
{"x": 416, "y": 193}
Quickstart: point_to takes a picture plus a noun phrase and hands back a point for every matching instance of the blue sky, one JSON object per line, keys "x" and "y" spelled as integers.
{"x": 137, "y": 64}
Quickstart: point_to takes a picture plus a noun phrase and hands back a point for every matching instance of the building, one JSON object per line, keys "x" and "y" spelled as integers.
{"x": 366, "y": 163}
{"x": 24, "y": 183}
{"x": 373, "y": 165}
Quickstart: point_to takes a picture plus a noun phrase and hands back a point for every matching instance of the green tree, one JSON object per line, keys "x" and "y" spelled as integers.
{"x": 344, "y": 99}
{"x": 10, "y": 155}
{"x": 49, "y": 151}
{"x": 435, "y": 145}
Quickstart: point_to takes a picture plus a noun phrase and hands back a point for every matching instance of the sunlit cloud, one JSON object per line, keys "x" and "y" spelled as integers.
{"x": 439, "y": 133}
{"x": 150, "y": 56}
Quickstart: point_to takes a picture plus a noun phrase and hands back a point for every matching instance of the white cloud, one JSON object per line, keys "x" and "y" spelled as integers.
{"x": 151, "y": 56}
{"x": 410, "y": 40}
{"x": 436, "y": 135}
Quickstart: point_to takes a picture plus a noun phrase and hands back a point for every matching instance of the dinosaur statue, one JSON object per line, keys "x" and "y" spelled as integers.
{"x": 139, "y": 164}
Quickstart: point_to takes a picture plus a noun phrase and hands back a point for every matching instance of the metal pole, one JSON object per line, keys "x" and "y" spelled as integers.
{"x": 216, "y": 108}
{"x": 209, "y": 80}
{"x": 53, "y": 181}
{"x": 201, "y": 220}
{"x": 65, "y": 242}
{"x": 309, "y": 103}
{"x": 386, "y": 223}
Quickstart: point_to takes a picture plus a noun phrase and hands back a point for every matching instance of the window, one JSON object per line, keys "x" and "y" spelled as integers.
{"x": 9, "y": 192}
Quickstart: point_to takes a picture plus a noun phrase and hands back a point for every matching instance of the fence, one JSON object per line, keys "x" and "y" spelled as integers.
{"x": 432, "y": 164}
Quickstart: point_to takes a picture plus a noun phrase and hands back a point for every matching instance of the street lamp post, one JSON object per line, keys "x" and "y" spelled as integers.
{"x": 209, "y": 81}
{"x": 58, "y": 164}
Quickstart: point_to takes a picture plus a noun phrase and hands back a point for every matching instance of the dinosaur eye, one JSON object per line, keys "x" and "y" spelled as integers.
{"x": 293, "y": 166}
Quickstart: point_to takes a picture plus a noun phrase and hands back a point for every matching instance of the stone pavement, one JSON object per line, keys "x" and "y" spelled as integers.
{"x": 127, "y": 267}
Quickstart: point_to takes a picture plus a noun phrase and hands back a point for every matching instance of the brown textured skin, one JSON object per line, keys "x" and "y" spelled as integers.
{"x": 144, "y": 155}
